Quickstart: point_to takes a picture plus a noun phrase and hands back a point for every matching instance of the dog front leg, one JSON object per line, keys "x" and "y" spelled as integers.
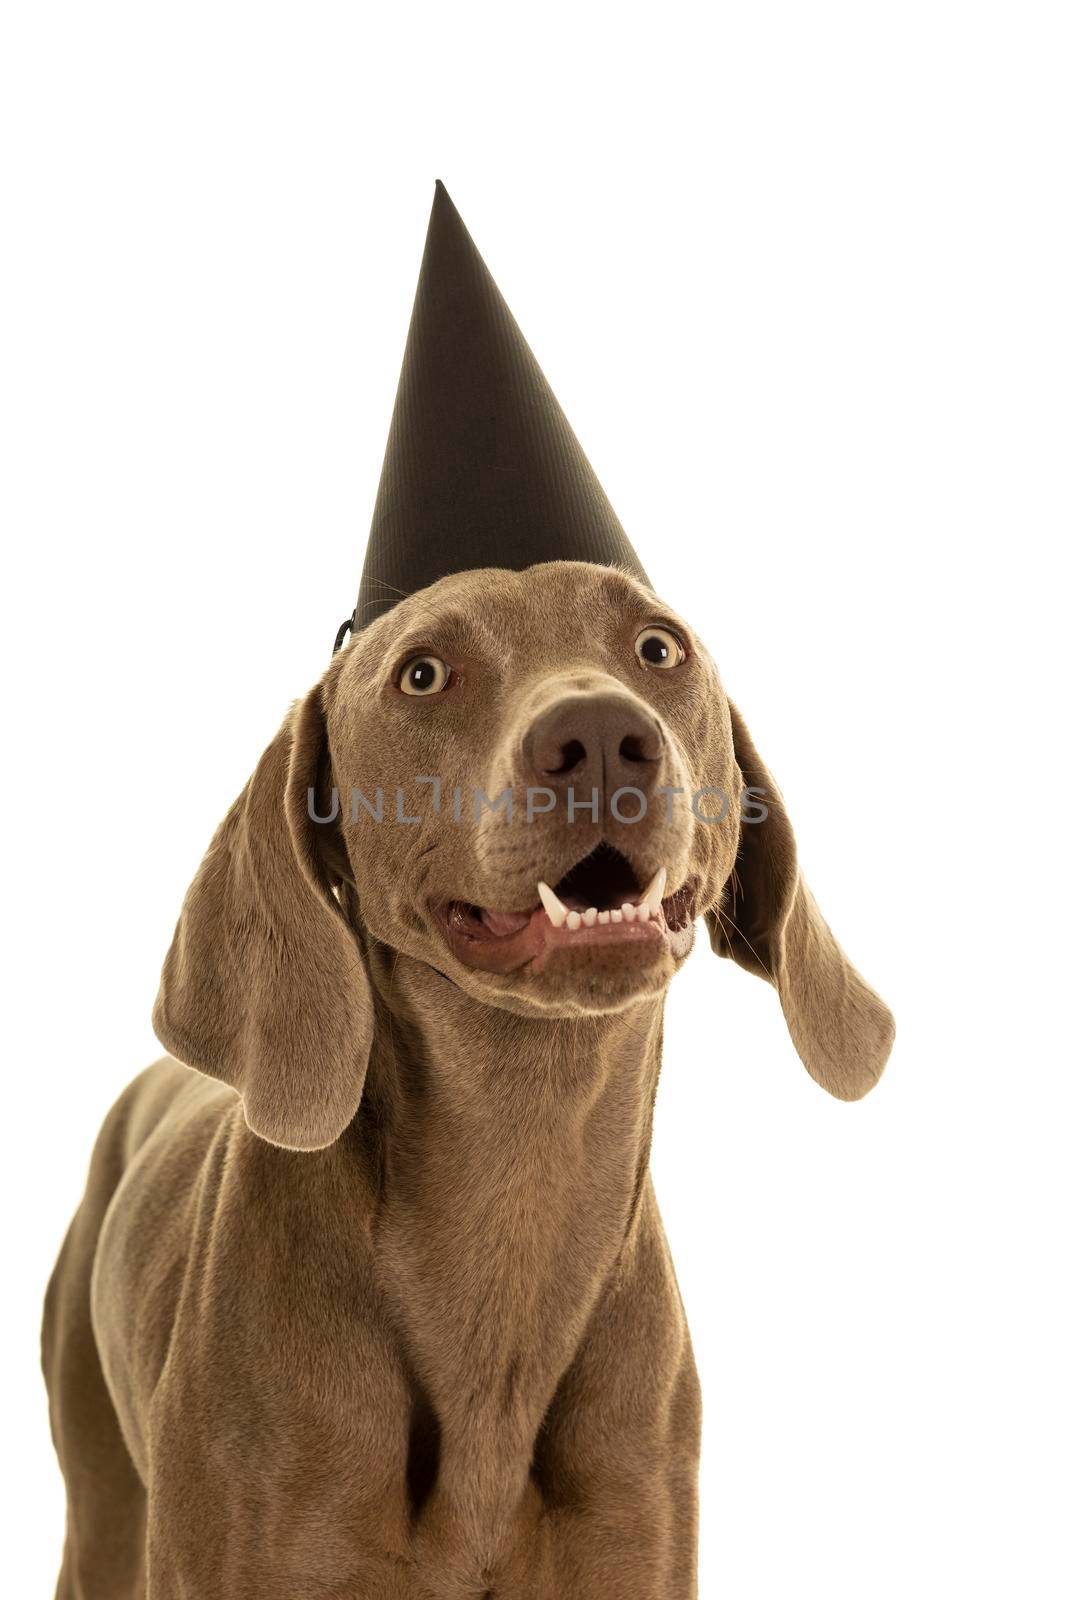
{"x": 226, "y": 1565}
{"x": 233, "y": 1516}
{"x": 617, "y": 1457}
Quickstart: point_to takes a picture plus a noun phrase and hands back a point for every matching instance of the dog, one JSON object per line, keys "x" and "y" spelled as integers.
{"x": 368, "y": 1295}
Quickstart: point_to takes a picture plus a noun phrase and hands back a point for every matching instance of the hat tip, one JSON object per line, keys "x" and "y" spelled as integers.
{"x": 443, "y": 202}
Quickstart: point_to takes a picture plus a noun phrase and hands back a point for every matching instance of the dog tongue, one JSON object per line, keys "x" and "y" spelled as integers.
{"x": 504, "y": 922}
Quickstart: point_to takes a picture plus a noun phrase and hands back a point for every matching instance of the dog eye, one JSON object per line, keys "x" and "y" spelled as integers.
{"x": 425, "y": 675}
{"x": 657, "y": 648}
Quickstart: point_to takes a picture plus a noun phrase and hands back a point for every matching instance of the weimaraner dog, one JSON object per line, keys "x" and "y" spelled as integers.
{"x": 368, "y": 1295}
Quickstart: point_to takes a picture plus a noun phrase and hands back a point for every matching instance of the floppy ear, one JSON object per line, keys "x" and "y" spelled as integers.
{"x": 770, "y": 925}
{"x": 264, "y": 985}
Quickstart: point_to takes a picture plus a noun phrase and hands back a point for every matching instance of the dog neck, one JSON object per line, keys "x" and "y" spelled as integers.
{"x": 512, "y": 1161}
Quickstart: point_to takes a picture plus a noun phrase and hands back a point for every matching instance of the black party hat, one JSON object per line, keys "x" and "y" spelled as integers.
{"x": 481, "y": 466}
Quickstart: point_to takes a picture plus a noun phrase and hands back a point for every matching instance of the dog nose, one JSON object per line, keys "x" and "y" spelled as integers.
{"x": 602, "y": 741}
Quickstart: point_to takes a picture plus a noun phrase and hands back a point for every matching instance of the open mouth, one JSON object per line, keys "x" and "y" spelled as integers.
{"x": 599, "y": 907}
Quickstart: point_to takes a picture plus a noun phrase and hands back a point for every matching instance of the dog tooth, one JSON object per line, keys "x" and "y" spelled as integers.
{"x": 653, "y": 895}
{"x": 589, "y": 916}
{"x": 643, "y": 913}
{"x": 603, "y": 917}
{"x": 574, "y": 920}
{"x": 616, "y": 916}
{"x": 629, "y": 912}
{"x": 557, "y": 911}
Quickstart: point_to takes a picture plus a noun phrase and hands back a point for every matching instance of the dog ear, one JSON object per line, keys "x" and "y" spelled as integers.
{"x": 769, "y": 924}
{"x": 264, "y": 984}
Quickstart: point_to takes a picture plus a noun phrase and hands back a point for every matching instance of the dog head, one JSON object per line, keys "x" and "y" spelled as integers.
{"x": 532, "y": 782}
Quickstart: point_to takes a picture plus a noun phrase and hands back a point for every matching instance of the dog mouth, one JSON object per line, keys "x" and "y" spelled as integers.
{"x": 598, "y": 909}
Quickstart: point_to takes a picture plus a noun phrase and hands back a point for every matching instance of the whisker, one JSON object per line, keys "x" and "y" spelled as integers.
{"x": 719, "y": 915}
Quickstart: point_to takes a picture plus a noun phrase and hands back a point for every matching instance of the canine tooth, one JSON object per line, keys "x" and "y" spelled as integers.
{"x": 603, "y": 917}
{"x": 574, "y": 920}
{"x": 616, "y": 916}
{"x": 653, "y": 895}
{"x": 629, "y": 912}
{"x": 557, "y": 911}
{"x": 589, "y": 916}
{"x": 643, "y": 913}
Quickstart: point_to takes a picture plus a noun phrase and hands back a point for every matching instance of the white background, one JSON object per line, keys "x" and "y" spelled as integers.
{"x": 796, "y": 272}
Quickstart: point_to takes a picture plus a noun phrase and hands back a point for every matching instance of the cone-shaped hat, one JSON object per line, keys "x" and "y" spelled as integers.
{"x": 481, "y": 466}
